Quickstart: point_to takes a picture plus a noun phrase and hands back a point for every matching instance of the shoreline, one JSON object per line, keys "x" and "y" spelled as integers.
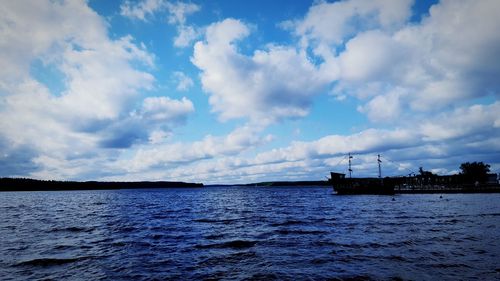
{"x": 14, "y": 184}
{"x": 25, "y": 184}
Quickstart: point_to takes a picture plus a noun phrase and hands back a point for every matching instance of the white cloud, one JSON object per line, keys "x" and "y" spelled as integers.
{"x": 272, "y": 84}
{"x": 393, "y": 67}
{"x": 423, "y": 78}
{"x": 402, "y": 73}
{"x": 102, "y": 81}
{"x": 179, "y": 10}
{"x": 158, "y": 136}
{"x": 184, "y": 82}
{"x": 443, "y": 61}
{"x": 465, "y": 123}
{"x": 186, "y": 36}
{"x": 368, "y": 141}
{"x": 165, "y": 109}
{"x": 88, "y": 71}
{"x": 441, "y": 148}
{"x": 85, "y": 56}
{"x": 177, "y": 15}
{"x": 386, "y": 107}
{"x": 332, "y": 23}
{"x": 141, "y": 10}
{"x": 370, "y": 56}
{"x": 211, "y": 147}
{"x": 29, "y": 33}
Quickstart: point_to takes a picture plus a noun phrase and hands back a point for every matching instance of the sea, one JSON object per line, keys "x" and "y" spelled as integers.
{"x": 247, "y": 233}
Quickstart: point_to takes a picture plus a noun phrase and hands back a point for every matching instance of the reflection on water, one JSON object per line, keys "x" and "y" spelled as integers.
{"x": 247, "y": 233}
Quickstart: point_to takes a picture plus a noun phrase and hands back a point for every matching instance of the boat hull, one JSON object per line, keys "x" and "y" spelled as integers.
{"x": 372, "y": 189}
{"x": 351, "y": 186}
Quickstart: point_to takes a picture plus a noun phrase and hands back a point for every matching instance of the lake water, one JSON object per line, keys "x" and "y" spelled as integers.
{"x": 233, "y": 233}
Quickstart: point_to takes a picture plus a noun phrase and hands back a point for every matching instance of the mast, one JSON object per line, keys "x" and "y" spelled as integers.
{"x": 379, "y": 169}
{"x": 350, "y": 170}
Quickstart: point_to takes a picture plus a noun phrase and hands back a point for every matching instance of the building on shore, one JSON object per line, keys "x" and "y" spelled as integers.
{"x": 447, "y": 183}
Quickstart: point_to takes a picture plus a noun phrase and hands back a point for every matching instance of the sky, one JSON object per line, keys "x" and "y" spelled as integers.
{"x": 230, "y": 91}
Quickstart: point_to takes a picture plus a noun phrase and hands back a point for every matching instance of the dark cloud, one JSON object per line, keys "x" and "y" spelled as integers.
{"x": 16, "y": 161}
{"x": 124, "y": 134}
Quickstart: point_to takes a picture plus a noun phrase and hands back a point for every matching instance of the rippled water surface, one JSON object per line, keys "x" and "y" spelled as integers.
{"x": 247, "y": 233}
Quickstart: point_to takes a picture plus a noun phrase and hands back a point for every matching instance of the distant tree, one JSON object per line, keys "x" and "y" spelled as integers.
{"x": 425, "y": 173}
{"x": 475, "y": 172}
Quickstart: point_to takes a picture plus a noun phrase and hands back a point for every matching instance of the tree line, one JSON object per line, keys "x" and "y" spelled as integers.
{"x": 471, "y": 172}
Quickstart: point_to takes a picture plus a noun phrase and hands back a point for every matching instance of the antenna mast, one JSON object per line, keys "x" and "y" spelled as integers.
{"x": 379, "y": 169}
{"x": 350, "y": 170}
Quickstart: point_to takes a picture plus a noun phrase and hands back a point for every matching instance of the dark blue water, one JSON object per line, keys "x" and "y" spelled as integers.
{"x": 247, "y": 234}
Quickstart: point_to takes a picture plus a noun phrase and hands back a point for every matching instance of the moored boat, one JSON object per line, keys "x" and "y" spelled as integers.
{"x": 377, "y": 186}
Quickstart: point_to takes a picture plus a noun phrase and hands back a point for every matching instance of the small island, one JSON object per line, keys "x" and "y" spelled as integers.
{"x": 24, "y": 184}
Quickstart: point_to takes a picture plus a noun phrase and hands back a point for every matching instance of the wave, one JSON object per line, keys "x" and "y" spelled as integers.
{"x": 126, "y": 229}
{"x": 118, "y": 244}
{"x": 157, "y": 236}
{"x": 233, "y": 244}
{"x": 371, "y": 245}
{"x": 322, "y": 260}
{"x": 45, "y": 262}
{"x": 223, "y": 221}
{"x": 224, "y": 260}
{"x": 299, "y": 232}
{"x": 450, "y": 265}
{"x": 73, "y": 229}
{"x": 364, "y": 258}
{"x": 264, "y": 276}
{"x": 214, "y": 236}
{"x": 288, "y": 222}
{"x": 63, "y": 247}
{"x": 490, "y": 215}
{"x": 358, "y": 278}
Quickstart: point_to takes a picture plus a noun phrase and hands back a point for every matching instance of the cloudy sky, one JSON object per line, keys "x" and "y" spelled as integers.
{"x": 244, "y": 91}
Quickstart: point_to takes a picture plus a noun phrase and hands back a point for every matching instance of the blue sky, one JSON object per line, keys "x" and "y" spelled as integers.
{"x": 246, "y": 91}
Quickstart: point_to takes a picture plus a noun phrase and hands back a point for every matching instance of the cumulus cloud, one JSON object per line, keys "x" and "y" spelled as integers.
{"x": 85, "y": 55}
{"x": 333, "y": 23}
{"x": 179, "y": 10}
{"x": 102, "y": 81}
{"x": 370, "y": 56}
{"x": 462, "y": 135}
{"x": 186, "y": 36}
{"x": 386, "y": 107}
{"x": 422, "y": 84}
{"x": 395, "y": 66}
{"x": 449, "y": 136}
{"x": 366, "y": 50}
{"x": 210, "y": 147}
{"x": 141, "y": 10}
{"x": 177, "y": 15}
{"x": 422, "y": 77}
{"x": 272, "y": 84}
{"x": 467, "y": 123}
{"x": 16, "y": 160}
{"x": 164, "y": 109}
{"x": 184, "y": 82}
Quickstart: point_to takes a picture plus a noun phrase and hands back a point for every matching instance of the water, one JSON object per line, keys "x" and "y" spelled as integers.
{"x": 292, "y": 233}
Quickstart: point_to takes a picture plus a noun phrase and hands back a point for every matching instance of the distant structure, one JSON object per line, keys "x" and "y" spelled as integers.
{"x": 474, "y": 178}
{"x": 349, "y": 186}
{"x": 448, "y": 183}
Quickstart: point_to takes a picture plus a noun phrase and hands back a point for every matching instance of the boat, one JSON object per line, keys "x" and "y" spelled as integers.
{"x": 348, "y": 185}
